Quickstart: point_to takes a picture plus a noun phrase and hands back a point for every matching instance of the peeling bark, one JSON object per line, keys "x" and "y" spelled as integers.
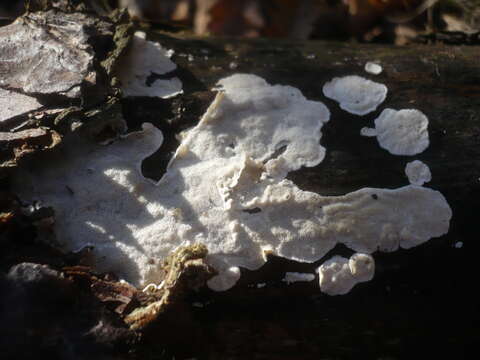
{"x": 66, "y": 59}
{"x": 56, "y": 57}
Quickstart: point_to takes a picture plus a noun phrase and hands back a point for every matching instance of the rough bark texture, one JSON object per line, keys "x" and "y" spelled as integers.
{"x": 420, "y": 302}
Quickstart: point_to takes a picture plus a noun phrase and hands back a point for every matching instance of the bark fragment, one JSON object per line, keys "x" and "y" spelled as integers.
{"x": 66, "y": 56}
{"x": 15, "y": 146}
{"x": 56, "y": 59}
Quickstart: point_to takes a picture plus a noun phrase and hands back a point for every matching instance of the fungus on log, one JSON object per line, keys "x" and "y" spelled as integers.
{"x": 249, "y": 195}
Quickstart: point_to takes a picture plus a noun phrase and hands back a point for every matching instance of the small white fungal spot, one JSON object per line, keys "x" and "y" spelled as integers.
{"x": 291, "y": 277}
{"x": 373, "y": 68}
{"x": 369, "y": 132}
{"x": 402, "y": 132}
{"x": 458, "y": 245}
{"x": 362, "y": 267}
{"x": 355, "y": 94}
{"x": 338, "y": 275}
{"x": 418, "y": 173}
{"x": 261, "y": 285}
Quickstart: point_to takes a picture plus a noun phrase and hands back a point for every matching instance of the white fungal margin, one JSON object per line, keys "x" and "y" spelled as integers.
{"x": 143, "y": 59}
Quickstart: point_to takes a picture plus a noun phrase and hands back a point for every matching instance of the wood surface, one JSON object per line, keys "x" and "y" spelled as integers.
{"x": 422, "y": 301}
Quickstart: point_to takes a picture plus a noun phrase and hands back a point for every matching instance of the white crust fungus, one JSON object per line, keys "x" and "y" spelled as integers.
{"x": 335, "y": 277}
{"x": 373, "y": 68}
{"x": 338, "y": 275}
{"x": 362, "y": 267}
{"x": 402, "y": 132}
{"x": 143, "y": 59}
{"x": 355, "y": 94}
{"x": 418, "y": 173}
{"x": 225, "y": 187}
{"x": 291, "y": 277}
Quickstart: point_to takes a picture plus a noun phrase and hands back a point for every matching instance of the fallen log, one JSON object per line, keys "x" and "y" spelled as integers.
{"x": 420, "y": 300}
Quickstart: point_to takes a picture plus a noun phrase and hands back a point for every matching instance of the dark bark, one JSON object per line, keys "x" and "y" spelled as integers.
{"x": 421, "y": 301}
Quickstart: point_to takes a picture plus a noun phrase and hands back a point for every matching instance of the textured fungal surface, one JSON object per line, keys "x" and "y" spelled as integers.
{"x": 225, "y": 187}
{"x": 418, "y": 172}
{"x": 355, "y": 94}
{"x": 144, "y": 59}
{"x": 339, "y": 275}
{"x": 402, "y": 132}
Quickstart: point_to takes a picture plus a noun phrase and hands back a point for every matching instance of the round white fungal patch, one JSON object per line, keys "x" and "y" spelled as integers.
{"x": 403, "y": 132}
{"x": 339, "y": 275}
{"x": 362, "y": 267}
{"x": 335, "y": 276}
{"x": 373, "y": 68}
{"x": 355, "y": 94}
{"x": 418, "y": 173}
